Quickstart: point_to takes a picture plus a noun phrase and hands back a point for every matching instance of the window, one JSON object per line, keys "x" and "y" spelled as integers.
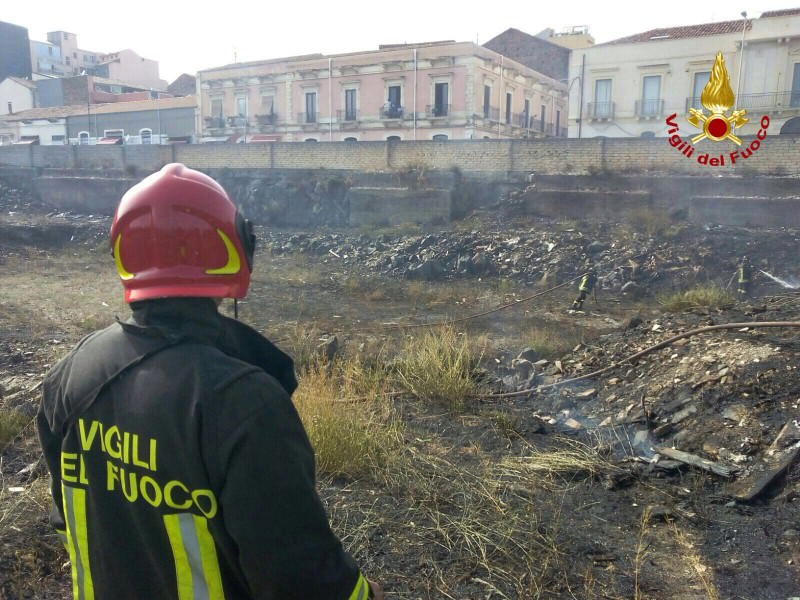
{"x": 57, "y": 139}
{"x": 146, "y": 135}
{"x": 440, "y": 137}
{"x": 542, "y": 117}
{"x": 441, "y": 98}
{"x": 83, "y": 138}
{"x": 647, "y": 134}
{"x": 74, "y": 55}
{"x": 66, "y": 60}
{"x": 651, "y": 96}
{"x": 10, "y": 108}
{"x": 395, "y": 100}
{"x": 311, "y": 108}
{"x": 795, "y": 98}
{"x": 268, "y": 105}
{"x": 558, "y": 122}
{"x": 602, "y": 98}
{"x": 310, "y": 140}
{"x": 216, "y": 108}
{"x": 350, "y": 105}
{"x": 526, "y": 114}
{"x": 393, "y": 138}
{"x": 241, "y": 106}
{"x": 113, "y": 133}
{"x": 508, "y": 107}
{"x": 50, "y": 50}
{"x": 350, "y": 139}
{"x": 487, "y": 100}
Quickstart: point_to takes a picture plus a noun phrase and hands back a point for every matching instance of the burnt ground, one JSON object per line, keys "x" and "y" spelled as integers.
{"x": 479, "y": 517}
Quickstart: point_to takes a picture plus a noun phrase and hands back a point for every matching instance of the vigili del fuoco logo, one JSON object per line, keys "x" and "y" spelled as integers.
{"x": 717, "y": 98}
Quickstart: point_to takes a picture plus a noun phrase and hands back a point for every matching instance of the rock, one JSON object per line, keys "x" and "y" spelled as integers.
{"x": 531, "y": 355}
{"x": 596, "y": 247}
{"x": 634, "y": 322}
{"x": 586, "y": 394}
{"x": 524, "y": 368}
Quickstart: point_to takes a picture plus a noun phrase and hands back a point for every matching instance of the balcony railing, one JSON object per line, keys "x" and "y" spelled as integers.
{"x": 766, "y": 102}
{"x": 600, "y": 110}
{"x": 437, "y": 110}
{"x": 391, "y": 112}
{"x": 238, "y": 121}
{"x": 214, "y": 122}
{"x": 649, "y": 108}
{"x": 492, "y": 114}
{"x": 307, "y": 117}
{"x": 347, "y": 116}
{"x": 268, "y": 119}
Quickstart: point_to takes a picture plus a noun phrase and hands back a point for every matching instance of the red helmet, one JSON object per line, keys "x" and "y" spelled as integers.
{"x": 176, "y": 233}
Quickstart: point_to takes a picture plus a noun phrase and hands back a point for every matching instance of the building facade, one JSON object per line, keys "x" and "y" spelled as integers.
{"x": 159, "y": 121}
{"x": 62, "y": 57}
{"x": 440, "y": 90}
{"x": 15, "y": 58}
{"x": 16, "y": 94}
{"x": 628, "y": 87}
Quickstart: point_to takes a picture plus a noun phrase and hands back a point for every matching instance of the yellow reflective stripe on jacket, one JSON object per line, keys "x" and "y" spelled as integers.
{"x": 361, "y": 591}
{"x": 195, "y": 555}
{"x": 78, "y": 542}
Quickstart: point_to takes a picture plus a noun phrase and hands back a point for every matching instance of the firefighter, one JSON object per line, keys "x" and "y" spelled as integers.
{"x": 180, "y": 468}
{"x": 745, "y": 279}
{"x": 585, "y": 287}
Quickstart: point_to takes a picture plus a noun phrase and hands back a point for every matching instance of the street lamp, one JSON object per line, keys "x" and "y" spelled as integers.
{"x": 741, "y": 59}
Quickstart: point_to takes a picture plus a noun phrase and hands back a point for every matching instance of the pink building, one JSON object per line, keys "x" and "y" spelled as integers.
{"x": 438, "y": 90}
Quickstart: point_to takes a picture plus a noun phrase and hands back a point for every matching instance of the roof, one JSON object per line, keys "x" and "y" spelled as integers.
{"x": 786, "y": 12}
{"x": 25, "y": 82}
{"x": 59, "y": 112}
{"x": 683, "y": 32}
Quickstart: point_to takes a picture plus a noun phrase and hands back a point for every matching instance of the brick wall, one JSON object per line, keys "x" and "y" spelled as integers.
{"x": 776, "y": 155}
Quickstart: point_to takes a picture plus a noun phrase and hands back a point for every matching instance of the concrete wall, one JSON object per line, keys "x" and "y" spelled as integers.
{"x": 382, "y": 206}
{"x": 775, "y": 155}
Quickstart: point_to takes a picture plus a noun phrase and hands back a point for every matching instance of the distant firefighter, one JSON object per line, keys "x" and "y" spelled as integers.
{"x": 745, "y": 273}
{"x": 585, "y": 287}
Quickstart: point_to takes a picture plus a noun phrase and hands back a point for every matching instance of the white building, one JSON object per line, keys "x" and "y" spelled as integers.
{"x": 16, "y": 95}
{"x": 628, "y": 87}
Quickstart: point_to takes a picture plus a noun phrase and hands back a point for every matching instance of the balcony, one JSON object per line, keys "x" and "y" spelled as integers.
{"x": 649, "y": 109}
{"x": 600, "y": 110}
{"x": 769, "y": 102}
{"x": 490, "y": 114}
{"x": 266, "y": 123}
{"x": 239, "y": 121}
{"x": 270, "y": 119}
{"x": 348, "y": 118}
{"x": 214, "y": 122}
{"x": 391, "y": 112}
{"x": 307, "y": 118}
{"x": 437, "y": 110}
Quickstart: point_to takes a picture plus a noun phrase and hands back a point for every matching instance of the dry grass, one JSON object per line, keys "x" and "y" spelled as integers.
{"x": 553, "y": 341}
{"x": 708, "y": 296}
{"x": 690, "y": 556}
{"x": 11, "y": 423}
{"x": 641, "y": 552}
{"x": 649, "y": 221}
{"x": 459, "y": 518}
{"x": 347, "y": 418}
{"x": 572, "y": 460}
{"x": 439, "y": 365}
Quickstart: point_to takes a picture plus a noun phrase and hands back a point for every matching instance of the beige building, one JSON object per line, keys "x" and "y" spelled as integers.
{"x": 61, "y": 56}
{"x": 440, "y": 90}
{"x": 628, "y": 87}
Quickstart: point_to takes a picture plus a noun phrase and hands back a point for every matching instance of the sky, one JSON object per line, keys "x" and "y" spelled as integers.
{"x": 186, "y": 37}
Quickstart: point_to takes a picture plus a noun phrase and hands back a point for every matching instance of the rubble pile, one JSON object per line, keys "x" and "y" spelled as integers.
{"x": 722, "y": 398}
{"x": 626, "y": 260}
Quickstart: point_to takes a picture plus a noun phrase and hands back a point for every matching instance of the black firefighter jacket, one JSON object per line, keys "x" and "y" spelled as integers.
{"x": 180, "y": 468}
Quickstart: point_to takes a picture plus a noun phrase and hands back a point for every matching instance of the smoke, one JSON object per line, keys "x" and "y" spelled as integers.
{"x": 791, "y": 284}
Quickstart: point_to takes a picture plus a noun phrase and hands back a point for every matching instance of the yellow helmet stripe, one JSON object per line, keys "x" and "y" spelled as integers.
{"x": 123, "y": 274}
{"x": 234, "y": 264}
